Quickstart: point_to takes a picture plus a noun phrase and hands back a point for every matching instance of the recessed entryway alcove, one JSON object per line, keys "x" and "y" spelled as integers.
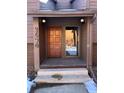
{"x": 63, "y": 42}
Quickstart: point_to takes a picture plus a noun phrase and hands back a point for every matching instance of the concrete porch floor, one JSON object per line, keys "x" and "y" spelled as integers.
{"x": 63, "y": 62}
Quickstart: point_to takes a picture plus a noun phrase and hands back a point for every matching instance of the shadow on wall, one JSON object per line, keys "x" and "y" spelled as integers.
{"x": 47, "y": 5}
{"x": 62, "y": 4}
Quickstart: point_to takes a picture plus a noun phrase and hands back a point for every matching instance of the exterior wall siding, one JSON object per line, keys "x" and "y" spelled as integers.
{"x": 30, "y": 57}
{"x": 94, "y": 56}
{"x": 29, "y": 29}
{"x": 32, "y": 5}
{"x": 94, "y": 34}
{"x": 94, "y": 43}
{"x": 92, "y": 4}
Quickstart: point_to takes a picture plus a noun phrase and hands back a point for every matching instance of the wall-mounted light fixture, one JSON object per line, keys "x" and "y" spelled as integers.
{"x": 44, "y": 1}
{"x": 43, "y": 21}
{"x": 82, "y": 20}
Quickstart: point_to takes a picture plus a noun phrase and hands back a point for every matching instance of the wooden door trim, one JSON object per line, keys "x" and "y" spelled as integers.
{"x": 36, "y": 44}
{"x": 89, "y": 43}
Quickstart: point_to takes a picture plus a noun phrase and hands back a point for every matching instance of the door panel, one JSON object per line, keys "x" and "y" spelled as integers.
{"x": 54, "y": 41}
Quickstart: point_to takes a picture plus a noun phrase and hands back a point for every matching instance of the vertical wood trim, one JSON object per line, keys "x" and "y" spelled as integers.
{"x": 46, "y": 39}
{"x": 90, "y": 34}
{"x": 63, "y": 41}
{"x": 36, "y": 43}
{"x": 87, "y": 59}
{"x": 89, "y": 43}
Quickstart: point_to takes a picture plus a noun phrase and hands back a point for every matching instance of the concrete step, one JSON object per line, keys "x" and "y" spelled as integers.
{"x": 64, "y": 79}
{"x": 63, "y": 71}
{"x": 65, "y": 75}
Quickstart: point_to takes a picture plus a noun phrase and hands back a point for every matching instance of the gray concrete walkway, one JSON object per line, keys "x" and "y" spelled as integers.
{"x": 67, "y": 88}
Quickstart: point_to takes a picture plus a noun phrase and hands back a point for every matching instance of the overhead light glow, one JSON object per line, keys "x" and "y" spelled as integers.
{"x": 44, "y": 21}
{"x": 44, "y": 1}
{"x": 82, "y": 20}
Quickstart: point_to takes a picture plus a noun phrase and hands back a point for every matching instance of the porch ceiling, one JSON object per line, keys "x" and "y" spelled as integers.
{"x": 62, "y": 13}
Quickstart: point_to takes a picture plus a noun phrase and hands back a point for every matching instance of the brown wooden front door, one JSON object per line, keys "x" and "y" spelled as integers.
{"x": 54, "y": 41}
